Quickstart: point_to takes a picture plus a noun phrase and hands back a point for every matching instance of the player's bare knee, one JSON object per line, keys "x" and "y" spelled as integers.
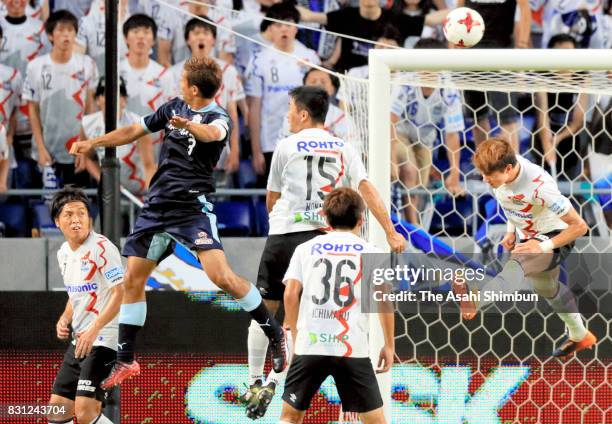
{"x": 133, "y": 282}
{"x": 545, "y": 284}
{"x": 86, "y": 415}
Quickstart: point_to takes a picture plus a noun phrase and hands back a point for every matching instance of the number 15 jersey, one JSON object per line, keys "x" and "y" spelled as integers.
{"x": 305, "y": 168}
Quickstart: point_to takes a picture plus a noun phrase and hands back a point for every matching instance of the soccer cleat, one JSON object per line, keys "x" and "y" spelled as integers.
{"x": 467, "y": 307}
{"x": 280, "y": 353}
{"x": 569, "y": 347}
{"x": 121, "y": 371}
{"x": 251, "y": 392}
{"x": 258, "y": 405}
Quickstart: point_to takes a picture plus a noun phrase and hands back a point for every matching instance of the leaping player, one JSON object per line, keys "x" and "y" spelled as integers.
{"x": 177, "y": 209}
{"x": 306, "y": 167}
{"x": 547, "y": 226}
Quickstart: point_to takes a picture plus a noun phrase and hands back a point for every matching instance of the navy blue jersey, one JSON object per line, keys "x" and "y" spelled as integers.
{"x": 185, "y": 167}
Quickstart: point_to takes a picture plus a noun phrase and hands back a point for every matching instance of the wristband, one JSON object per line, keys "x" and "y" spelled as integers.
{"x": 510, "y": 227}
{"x": 547, "y": 246}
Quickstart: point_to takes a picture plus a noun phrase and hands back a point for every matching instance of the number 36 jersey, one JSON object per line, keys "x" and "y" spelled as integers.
{"x": 330, "y": 319}
{"x": 305, "y": 168}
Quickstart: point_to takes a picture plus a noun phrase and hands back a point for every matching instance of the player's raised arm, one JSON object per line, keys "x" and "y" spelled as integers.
{"x": 118, "y": 137}
{"x": 205, "y": 133}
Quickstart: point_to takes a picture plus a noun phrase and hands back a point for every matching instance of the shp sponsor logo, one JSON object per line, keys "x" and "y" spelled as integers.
{"x": 326, "y": 338}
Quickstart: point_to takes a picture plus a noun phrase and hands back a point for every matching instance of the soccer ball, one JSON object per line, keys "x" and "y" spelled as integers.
{"x": 463, "y": 27}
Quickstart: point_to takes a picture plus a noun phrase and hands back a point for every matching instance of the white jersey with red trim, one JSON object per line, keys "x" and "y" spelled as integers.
{"x": 330, "y": 320}
{"x": 60, "y": 88}
{"x": 89, "y": 274}
{"x": 21, "y": 44}
{"x": 4, "y": 147}
{"x": 533, "y": 202}
{"x": 148, "y": 89}
{"x": 31, "y": 12}
{"x": 92, "y": 36}
{"x": 132, "y": 174}
{"x": 10, "y": 92}
{"x": 305, "y": 168}
{"x": 336, "y": 122}
{"x": 231, "y": 85}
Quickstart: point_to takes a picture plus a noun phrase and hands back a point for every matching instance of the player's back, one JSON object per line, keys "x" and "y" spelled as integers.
{"x": 305, "y": 168}
{"x": 330, "y": 321}
{"x": 533, "y": 202}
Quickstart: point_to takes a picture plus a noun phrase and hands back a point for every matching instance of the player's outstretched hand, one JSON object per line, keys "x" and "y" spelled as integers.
{"x": 85, "y": 340}
{"x": 179, "y": 122}
{"x": 385, "y": 360}
{"x": 81, "y": 147}
{"x": 63, "y": 332}
{"x": 397, "y": 242}
{"x": 508, "y": 241}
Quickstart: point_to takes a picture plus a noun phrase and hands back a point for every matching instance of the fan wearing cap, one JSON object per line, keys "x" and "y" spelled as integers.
{"x": 137, "y": 159}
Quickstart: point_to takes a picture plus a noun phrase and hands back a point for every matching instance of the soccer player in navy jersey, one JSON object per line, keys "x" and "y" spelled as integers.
{"x": 177, "y": 210}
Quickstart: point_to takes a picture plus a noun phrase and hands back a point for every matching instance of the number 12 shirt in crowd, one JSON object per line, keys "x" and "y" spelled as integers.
{"x": 185, "y": 168}
{"x": 305, "y": 168}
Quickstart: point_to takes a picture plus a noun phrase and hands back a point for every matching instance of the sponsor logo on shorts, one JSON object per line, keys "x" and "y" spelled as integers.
{"x": 114, "y": 274}
{"x": 202, "y": 239}
{"x": 85, "y": 386}
{"x": 292, "y": 397}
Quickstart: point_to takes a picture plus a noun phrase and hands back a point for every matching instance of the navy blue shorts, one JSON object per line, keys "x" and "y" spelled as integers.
{"x": 155, "y": 233}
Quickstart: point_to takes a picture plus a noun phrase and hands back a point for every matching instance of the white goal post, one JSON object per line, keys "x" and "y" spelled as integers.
{"x": 527, "y": 64}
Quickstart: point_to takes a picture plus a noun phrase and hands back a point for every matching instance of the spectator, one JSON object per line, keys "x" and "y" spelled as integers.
{"x": 582, "y": 20}
{"x": 91, "y": 39}
{"x": 270, "y": 76}
{"x": 561, "y": 118}
{"x": 61, "y": 81}
{"x": 200, "y": 37}
{"x": 149, "y": 82}
{"x": 336, "y": 121}
{"x": 10, "y": 95}
{"x": 78, "y": 8}
{"x": 23, "y": 41}
{"x": 499, "y": 18}
{"x": 364, "y": 22}
{"x": 4, "y": 161}
{"x": 137, "y": 160}
{"x": 176, "y": 50}
{"x": 37, "y": 9}
{"x": 420, "y": 8}
{"x": 321, "y": 42}
{"x": 419, "y": 116}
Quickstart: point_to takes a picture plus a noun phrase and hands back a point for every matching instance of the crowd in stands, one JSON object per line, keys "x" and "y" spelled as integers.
{"x": 52, "y": 57}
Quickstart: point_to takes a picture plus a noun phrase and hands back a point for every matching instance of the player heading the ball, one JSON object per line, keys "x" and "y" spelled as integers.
{"x": 177, "y": 209}
{"x": 547, "y": 225}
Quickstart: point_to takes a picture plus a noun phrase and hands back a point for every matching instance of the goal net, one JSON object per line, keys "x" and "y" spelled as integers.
{"x": 423, "y": 112}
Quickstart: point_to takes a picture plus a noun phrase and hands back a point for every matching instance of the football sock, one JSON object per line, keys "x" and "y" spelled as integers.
{"x": 253, "y": 304}
{"x": 257, "y": 343}
{"x": 101, "y": 419}
{"x": 564, "y": 301}
{"x": 275, "y": 377}
{"x": 131, "y": 319}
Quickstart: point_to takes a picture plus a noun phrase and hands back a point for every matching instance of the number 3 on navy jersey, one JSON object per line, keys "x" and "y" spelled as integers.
{"x": 191, "y": 146}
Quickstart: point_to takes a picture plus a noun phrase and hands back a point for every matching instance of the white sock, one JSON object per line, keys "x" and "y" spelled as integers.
{"x": 101, "y": 419}
{"x": 275, "y": 377}
{"x": 564, "y": 301}
{"x": 575, "y": 326}
{"x": 257, "y": 344}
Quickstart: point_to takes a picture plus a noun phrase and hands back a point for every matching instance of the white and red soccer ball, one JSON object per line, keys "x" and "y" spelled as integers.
{"x": 463, "y": 27}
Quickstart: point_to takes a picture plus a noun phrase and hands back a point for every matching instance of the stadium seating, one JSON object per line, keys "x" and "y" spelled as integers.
{"x": 41, "y": 220}
{"x": 14, "y": 217}
{"x": 233, "y": 218}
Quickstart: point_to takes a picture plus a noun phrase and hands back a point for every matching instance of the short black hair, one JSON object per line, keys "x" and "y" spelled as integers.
{"x": 334, "y": 79}
{"x": 139, "y": 20}
{"x": 67, "y": 195}
{"x": 430, "y": 43}
{"x": 61, "y": 17}
{"x": 100, "y": 88}
{"x": 562, "y": 38}
{"x": 313, "y": 100}
{"x": 281, "y": 12}
{"x": 389, "y": 32}
{"x": 194, "y": 23}
{"x": 343, "y": 208}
